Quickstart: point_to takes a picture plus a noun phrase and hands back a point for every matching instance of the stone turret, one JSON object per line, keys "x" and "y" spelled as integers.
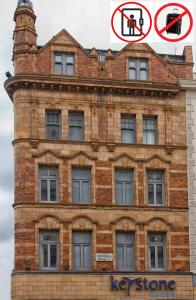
{"x": 25, "y": 36}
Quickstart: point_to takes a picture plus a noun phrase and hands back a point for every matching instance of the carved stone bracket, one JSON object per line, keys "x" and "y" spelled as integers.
{"x": 95, "y": 146}
{"x": 169, "y": 150}
{"x": 111, "y": 147}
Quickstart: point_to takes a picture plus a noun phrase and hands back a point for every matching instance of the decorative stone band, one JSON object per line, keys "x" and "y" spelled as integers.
{"x": 102, "y": 87}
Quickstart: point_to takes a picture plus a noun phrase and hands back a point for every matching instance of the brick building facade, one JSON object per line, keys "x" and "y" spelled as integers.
{"x": 100, "y": 169}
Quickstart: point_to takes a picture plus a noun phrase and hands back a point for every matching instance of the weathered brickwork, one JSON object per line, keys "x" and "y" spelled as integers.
{"x": 103, "y": 92}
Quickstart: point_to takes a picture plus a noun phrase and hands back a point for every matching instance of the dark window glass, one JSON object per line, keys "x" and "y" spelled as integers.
{"x": 81, "y": 185}
{"x": 48, "y": 178}
{"x": 76, "y": 126}
{"x": 82, "y": 250}
{"x": 150, "y": 130}
{"x": 138, "y": 69}
{"x": 157, "y": 252}
{"x": 53, "y": 125}
{"x": 49, "y": 250}
{"x": 155, "y": 187}
{"x": 64, "y": 64}
{"x": 127, "y": 129}
{"x": 124, "y": 187}
{"x": 125, "y": 251}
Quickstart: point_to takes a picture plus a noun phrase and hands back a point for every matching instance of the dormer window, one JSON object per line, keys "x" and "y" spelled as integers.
{"x": 138, "y": 69}
{"x": 101, "y": 55}
{"x": 64, "y": 64}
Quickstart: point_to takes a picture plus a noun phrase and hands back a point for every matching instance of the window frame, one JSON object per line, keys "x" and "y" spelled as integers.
{"x": 132, "y": 131}
{"x": 125, "y": 246}
{"x": 48, "y": 178}
{"x": 59, "y": 125}
{"x": 82, "y": 245}
{"x": 64, "y": 63}
{"x": 137, "y": 62}
{"x": 81, "y": 182}
{"x": 131, "y": 181}
{"x": 81, "y": 127}
{"x": 156, "y": 245}
{"x": 146, "y": 131}
{"x": 155, "y": 183}
{"x": 41, "y": 255}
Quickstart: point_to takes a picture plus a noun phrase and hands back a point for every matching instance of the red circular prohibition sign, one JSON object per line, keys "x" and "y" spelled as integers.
{"x": 118, "y": 9}
{"x": 160, "y": 31}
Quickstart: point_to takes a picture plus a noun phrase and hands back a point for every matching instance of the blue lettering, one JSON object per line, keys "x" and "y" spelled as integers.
{"x": 114, "y": 284}
{"x": 153, "y": 285}
{"x": 171, "y": 285}
{"x": 138, "y": 283}
{"x": 162, "y": 285}
{"x": 122, "y": 285}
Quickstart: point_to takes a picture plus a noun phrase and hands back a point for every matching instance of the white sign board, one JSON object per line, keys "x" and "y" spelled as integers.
{"x": 104, "y": 257}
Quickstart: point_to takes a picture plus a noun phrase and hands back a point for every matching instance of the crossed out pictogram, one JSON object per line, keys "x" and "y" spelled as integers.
{"x": 159, "y": 31}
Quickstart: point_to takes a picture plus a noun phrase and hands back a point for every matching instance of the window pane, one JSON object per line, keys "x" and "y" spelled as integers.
{"x": 86, "y": 191}
{"x": 159, "y": 194}
{"x": 143, "y": 64}
{"x": 128, "y": 193}
{"x": 156, "y": 238}
{"x": 52, "y": 171}
{"x": 125, "y": 238}
{"x": 53, "y": 117}
{"x": 44, "y": 194}
{"x": 120, "y": 257}
{"x": 76, "y": 191}
{"x": 70, "y": 59}
{"x": 124, "y": 175}
{"x": 53, "y": 256}
{"x": 82, "y": 250}
{"x": 160, "y": 257}
{"x": 151, "y": 137}
{"x": 129, "y": 257}
{"x": 132, "y": 74}
{"x": 45, "y": 255}
{"x": 87, "y": 257}
{"x": 119, "y": 193}
{"x": 69, "y": 69}
{"x": 143, "y": 74}
{"x": 152, "y": 257}
{"x": 49, "y": 236}
{"x": 128, "y": 136}
{"x": 150, "y": 194}
{"x": 125, "y": 250}
{"x": 58, "y": 69}
{"x": 77, "y": 257}
{"x": 53, "y": 196}
{"x": 75, "y": 134}
{"x": 53, "y": 132}
{"x": 82, "y": 237}
{"x": 58, "y": 58}
{"x": 132, "y": 63}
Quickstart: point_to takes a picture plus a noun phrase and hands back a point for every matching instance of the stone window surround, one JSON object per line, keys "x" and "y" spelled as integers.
{"x": 63, "y": 49}
{"x": 122, "y": 162}
{"x": 139, "y": 55}
{"x": 85, "y": 223}
{"x": 64, "y": 134}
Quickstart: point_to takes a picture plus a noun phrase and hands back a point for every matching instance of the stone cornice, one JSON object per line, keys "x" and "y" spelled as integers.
{"x": 90, "y": 85}
{"x": 35, "y": 142}
{"x": 92, "y": 207}
{"x": 188, "y": 84}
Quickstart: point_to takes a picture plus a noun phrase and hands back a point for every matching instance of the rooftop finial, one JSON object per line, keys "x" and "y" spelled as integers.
{"x": 27, "y": 3}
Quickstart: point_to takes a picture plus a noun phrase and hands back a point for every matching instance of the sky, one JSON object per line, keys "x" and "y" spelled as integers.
{"x": 88, "y": 21}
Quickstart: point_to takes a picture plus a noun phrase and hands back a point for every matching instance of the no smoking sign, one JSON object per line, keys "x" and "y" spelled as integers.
{"x": 152, "y": 21}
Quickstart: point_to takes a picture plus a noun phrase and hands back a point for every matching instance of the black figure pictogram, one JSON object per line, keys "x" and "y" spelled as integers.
{"x": 133, "y": 21}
